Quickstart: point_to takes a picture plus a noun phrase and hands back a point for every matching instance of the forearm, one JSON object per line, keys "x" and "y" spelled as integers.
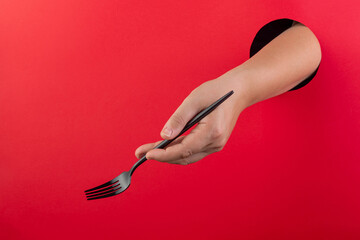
{"x": 279, "y": 66}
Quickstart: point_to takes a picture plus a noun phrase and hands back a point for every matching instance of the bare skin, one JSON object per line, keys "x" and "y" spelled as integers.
{"x": 282, "y": 64}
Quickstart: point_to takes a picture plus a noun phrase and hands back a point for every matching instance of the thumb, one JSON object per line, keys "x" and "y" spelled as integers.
{"x": 180, "y": 117}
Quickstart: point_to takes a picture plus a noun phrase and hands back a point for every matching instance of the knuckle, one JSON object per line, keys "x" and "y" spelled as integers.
{"x": 220, "y": 145}
{"x": 223, "y": 142}
{"x": 187, "y": 153}
{"x": 217, "y": 132}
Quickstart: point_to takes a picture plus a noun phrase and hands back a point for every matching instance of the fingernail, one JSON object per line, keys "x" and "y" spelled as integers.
{"x": 167, "y": 132}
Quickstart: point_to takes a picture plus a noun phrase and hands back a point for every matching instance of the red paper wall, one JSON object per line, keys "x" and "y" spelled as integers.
{"x": 84, "y": 83}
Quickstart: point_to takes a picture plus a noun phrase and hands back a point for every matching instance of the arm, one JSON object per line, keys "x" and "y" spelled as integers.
{"x": 279, "y": 66}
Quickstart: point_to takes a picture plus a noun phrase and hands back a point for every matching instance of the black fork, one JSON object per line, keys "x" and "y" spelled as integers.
{"x": 122, "y": 182}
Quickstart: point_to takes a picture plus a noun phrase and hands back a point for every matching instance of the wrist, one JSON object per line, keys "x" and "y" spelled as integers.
{"x": 239, "y": 80}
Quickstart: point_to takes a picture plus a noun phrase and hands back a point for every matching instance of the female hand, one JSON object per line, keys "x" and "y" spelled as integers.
{"x": 281, "y": 65}
{"x": 211, "y": 133}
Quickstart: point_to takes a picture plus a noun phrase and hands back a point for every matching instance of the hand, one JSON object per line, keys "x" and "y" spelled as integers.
{"x": 211, "y": 133}
{"x": 281, "y": 65}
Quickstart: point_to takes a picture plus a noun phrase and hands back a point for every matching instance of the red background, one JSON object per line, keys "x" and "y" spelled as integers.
{"x": 84, "y": 83}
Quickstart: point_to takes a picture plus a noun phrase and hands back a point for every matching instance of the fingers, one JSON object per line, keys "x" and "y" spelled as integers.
{"x": 140, "y": 151}
{"x": 194, "y": 158}
{"x": 191, "y": 144}
{"x": 187, "y": 110}
{"x": 207, "y": 137}
{"x": 143, "y": 149}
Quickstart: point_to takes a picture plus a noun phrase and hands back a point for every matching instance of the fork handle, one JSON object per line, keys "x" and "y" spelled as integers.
{"x": 190, "y": 124}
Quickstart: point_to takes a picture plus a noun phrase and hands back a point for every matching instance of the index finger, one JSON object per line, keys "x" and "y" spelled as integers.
{"x": 193, "y": 143}
{"x": 143, "y": 149}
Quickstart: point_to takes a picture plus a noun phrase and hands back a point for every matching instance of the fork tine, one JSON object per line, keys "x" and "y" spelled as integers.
{"x": 107, "y": 195}
{"x": 103, "y": 189}
{"x": 102, "y": 185}
{"x": 105, "y": 192}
